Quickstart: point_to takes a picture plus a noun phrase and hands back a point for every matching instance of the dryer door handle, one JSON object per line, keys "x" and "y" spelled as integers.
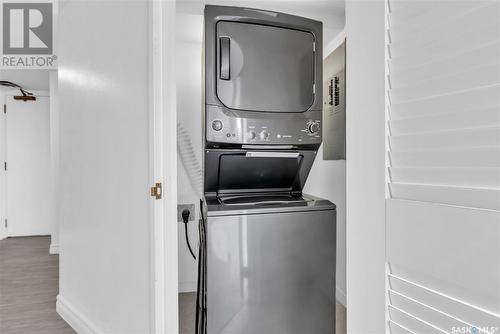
{"x": 225, "y": 49}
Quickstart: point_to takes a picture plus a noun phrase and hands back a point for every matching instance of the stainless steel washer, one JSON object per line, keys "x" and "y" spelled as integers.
{"x": 269, "y": 264}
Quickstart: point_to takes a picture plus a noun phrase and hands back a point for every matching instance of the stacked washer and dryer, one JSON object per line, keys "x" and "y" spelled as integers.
{"x": 267, "y": 251}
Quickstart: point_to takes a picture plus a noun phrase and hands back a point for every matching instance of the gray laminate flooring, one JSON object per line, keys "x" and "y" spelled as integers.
{"x": 187, "y": 303}
{"x": 29, "y": 285}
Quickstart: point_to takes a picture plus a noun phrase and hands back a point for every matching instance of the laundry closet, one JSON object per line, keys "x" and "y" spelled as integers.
{"x": 250, "y": 102}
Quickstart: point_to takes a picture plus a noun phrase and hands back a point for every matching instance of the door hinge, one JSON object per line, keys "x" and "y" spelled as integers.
{"x": 314, "y": 89}
{"x": 156, "y": 190}
{"x": 5, "y": 165}
{"x": 4, "y": 108}
{"x": 314, "y": 46}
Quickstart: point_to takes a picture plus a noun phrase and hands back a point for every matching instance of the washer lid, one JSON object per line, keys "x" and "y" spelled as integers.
{"x": 242, "y": 171}
{"x": 267, "y": 171}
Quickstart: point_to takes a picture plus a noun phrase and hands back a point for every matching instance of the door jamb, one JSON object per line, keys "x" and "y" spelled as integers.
{"x": 163, "y": 167}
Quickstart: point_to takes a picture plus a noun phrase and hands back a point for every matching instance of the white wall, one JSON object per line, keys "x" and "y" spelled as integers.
{"x": 365, "y": 169}
{"x": 105, "y": 237}
{"x": 327, "y": 179}
{"x": 28, "y": 79}
{"x": 189, "y": 106}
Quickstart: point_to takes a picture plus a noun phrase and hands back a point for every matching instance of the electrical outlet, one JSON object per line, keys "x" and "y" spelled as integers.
{"x": 181, "y": 207}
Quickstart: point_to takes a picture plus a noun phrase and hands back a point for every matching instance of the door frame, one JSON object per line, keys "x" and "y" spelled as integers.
{"x": 163, "y": 167}
{"x": 4, "y": 94}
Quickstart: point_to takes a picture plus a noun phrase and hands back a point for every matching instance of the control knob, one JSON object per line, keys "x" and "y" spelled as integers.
{"x": 313, "y": 127}
{"x": 264, "y": 135}
{"x": 217, "y": 125}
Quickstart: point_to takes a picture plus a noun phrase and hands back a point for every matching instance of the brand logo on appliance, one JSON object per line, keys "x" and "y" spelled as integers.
{"x": 27, "y": 34}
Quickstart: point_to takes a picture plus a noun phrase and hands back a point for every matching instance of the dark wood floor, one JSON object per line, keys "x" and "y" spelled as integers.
{"x": 28, "y": 287}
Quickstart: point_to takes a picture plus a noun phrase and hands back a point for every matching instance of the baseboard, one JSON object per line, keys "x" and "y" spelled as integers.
{"x": 188, "y": 287}
{"x": 341, "y": 297}
{"x": 54, "y": 248}
{"x": 80, "y": 323}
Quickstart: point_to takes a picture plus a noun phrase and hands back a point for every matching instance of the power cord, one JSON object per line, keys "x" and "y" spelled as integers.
{"x": 185, "y": 218}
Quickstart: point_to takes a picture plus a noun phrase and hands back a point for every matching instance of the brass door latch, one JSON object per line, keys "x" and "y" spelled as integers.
{"x": 156, "y": 190}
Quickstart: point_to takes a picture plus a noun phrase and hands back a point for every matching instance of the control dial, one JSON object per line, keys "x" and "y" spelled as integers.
{"x": 313, "y": 127}
{"x": 252, "y": 135}
{"x": 217, "y": 125}
{"x": 264, "y": 135}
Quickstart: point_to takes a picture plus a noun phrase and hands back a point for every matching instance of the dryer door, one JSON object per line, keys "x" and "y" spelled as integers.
{"x": 264, "y": 68}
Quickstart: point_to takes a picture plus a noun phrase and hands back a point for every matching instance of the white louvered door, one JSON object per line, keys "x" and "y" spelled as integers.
{"x": 443, "y": 211}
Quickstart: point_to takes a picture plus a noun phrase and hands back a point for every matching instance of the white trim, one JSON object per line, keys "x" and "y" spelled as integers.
{"x": 54, "y": 160}
{"x": 334, "y": 44}
{"x": 169, "y": 127}
{"x": 187, "y": 287}
{"x": 76, "y": 319}
{"x": 163, "y": 152}
{"x": 365, "y": 187}
{"x": 157, "y": 286}
{"x": 341, "y": 297}
{"x": 3, "y": 204}
{"x": 54, "y": 248}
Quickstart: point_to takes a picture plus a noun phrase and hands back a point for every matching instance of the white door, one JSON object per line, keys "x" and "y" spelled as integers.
{"x": 28, "y": 167}
{"x": 443, "y": 210}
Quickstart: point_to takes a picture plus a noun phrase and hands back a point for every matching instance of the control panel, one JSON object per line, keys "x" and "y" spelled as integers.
{"x": 254, "y": 128}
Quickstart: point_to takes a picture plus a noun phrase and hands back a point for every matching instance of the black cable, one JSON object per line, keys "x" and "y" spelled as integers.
{"x": 199, "y": 290}
{"x": 201, "y": 303}
{"x": 14, "y": 85}
{"x": 185, "y": 219}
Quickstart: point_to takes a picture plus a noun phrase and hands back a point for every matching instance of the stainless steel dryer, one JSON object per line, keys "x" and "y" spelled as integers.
{"x": 267, "y": 251}
{"x": 263, "y": 78}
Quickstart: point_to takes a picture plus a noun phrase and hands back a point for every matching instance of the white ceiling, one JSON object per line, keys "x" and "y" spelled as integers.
{"x": 330, "y": 12}
{"x": 320, "y": 10}
{"x": 28, "y": 79}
